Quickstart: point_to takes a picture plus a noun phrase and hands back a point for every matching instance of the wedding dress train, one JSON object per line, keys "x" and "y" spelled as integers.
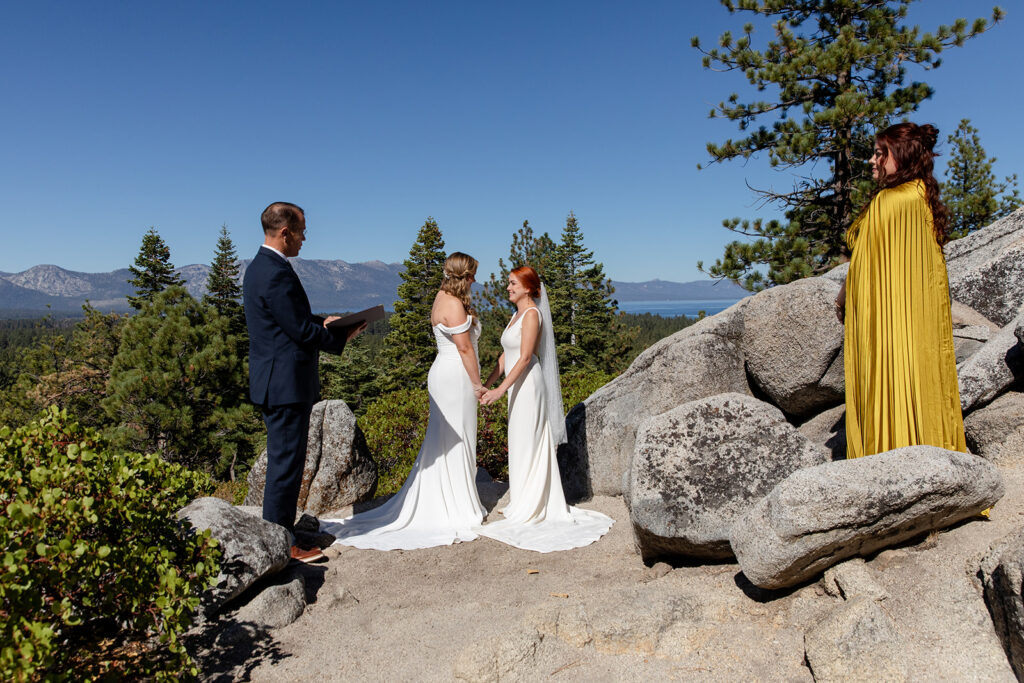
{"x": 438, "y": 504}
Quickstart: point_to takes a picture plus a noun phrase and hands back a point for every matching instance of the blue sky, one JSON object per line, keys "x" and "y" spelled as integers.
{"x": 375, "y": 115}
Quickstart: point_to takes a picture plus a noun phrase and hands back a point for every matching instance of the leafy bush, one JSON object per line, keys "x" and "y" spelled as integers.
{"x": 96, "y": 571}
{"x": 492, "y": 438}
{"x": 233, "y": 492}
{"x": 579, "y": 384}
{"x": 394, "y": 426}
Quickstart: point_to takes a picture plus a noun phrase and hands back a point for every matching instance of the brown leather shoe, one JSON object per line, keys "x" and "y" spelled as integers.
{"x": 307, "y": 556}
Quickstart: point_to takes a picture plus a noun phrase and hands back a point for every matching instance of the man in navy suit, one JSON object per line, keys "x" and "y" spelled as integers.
{"x": 284, "y": 341}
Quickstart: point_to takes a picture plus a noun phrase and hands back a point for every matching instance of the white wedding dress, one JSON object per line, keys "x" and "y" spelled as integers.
{"x": 537, "y": 517}
{"x": 438, "y": 504}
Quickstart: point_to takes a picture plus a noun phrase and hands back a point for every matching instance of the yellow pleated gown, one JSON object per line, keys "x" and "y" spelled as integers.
{"x": 901, "y": 382}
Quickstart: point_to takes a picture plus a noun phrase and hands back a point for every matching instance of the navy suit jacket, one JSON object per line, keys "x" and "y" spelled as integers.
{"x": 284, "y": 336}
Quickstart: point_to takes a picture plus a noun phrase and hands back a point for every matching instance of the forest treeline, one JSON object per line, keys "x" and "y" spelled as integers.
{"x": 171, "y": 377}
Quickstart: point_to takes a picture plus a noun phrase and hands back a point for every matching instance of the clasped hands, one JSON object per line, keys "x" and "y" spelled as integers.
{"x": 487, "y": 396}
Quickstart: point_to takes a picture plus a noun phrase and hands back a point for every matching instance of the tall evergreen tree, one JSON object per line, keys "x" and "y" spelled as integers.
{"x": 178, "y": 383}
{"x": 153, "y": 271}
{"x": 496, "y": 309}
{"x": 223, "y": 289}
{"x": 582, "y": 308}
{"x": 351, "y": 377}
{"x": 839, "y": 67}
{"x": 971, "y": 192}
{"x": 409, "y": 346}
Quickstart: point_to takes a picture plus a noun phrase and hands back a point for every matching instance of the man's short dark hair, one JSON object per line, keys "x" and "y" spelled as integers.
{"x": 279, "y": 215}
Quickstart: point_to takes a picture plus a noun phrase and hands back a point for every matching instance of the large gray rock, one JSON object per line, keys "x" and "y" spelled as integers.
{"x": 251, "y": 548}
{"x": 996, "y": 432}
{"x": 278, "y": 604}
{"x": 969, "y": 339}
{"x": 965, "y": 316}
{"x": 822, "y": 515}
{"x": 791, "y": 338}
{"x": 986, "y": 268}
{"x": 853, "y": 579}
{"x": 856, "y": 642}
{"x": 699, "y": 467}
{"x": 339, "y": 470}
{"x": 839, "y": 273}
{"x": 1002, "y": 578}
{"x": 993, "y": 368}
{"x": 828, "y": 430}
{"x": 701, "y": 360}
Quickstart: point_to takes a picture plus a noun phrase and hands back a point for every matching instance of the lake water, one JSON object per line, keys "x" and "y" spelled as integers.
{"x": 672, "y": 309}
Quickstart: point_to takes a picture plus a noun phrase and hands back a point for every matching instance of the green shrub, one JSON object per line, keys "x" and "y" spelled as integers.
{"x": 233, "y": 492}
{"x": 394, "y": 426}
{"x": 492, "y": 438}
{"x": 579, "y": 384}
{"x": 98, "y": 579}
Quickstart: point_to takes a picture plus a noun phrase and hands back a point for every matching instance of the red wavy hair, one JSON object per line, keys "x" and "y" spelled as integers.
{"x": 528, "y": 278}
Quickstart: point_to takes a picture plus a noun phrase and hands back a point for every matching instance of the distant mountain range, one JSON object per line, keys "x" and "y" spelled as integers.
{"x": 331, "y": 286}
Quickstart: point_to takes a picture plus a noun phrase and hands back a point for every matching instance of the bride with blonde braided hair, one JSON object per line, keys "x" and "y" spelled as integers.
{"x": 438, "y": 504}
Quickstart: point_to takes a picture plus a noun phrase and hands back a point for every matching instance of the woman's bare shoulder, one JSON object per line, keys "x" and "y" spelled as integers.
{"x": 447, "y": 309}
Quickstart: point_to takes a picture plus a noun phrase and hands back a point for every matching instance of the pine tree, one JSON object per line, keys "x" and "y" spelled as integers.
{"x": 223, "y": 290}
{"x": 409, "y": 347}
{"x": 582, "y": 308}
{"x": 178, "y": 383}
{"x": 351, "y": 377}
{"x": 66, "y": 370}
{"x": 1011, "y": 199}
{"x": 971, "y": 192}
{"x": 153, "y": 271}
{"x": 496, "y": 309}
{"x": 839, "y": 67}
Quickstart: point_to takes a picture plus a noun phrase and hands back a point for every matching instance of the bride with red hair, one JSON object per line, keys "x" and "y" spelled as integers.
{"x": 537, "y": 517}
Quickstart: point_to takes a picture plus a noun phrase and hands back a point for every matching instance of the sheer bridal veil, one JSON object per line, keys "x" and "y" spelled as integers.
{"x": 549, "y": 369}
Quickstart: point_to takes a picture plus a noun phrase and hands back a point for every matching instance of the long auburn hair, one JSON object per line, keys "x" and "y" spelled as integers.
{"x": 458, "y": 268}
{"x": 910, "y": 146}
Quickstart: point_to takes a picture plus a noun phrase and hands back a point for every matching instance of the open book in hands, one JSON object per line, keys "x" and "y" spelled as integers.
{"x": 347, "y": 322}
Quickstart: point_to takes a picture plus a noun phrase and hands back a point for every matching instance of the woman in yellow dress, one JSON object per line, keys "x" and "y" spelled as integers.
{"x": 901, "y": 382}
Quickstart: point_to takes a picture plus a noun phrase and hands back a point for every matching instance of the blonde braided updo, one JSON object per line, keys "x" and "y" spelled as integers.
{"x": 459, "y": 270}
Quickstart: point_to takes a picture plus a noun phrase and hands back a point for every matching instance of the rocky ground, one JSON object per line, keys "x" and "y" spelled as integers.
{"x": 483, "y": 611}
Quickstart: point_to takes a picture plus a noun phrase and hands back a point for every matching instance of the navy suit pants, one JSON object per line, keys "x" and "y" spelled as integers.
{"x": 287, "y": 429}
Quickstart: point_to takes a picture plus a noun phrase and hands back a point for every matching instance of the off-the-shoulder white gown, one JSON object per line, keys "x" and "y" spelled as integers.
{"x": 438, "y": 504}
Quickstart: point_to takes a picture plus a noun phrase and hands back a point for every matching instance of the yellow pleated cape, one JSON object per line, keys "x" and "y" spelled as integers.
{"x": 901, "y": 383}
